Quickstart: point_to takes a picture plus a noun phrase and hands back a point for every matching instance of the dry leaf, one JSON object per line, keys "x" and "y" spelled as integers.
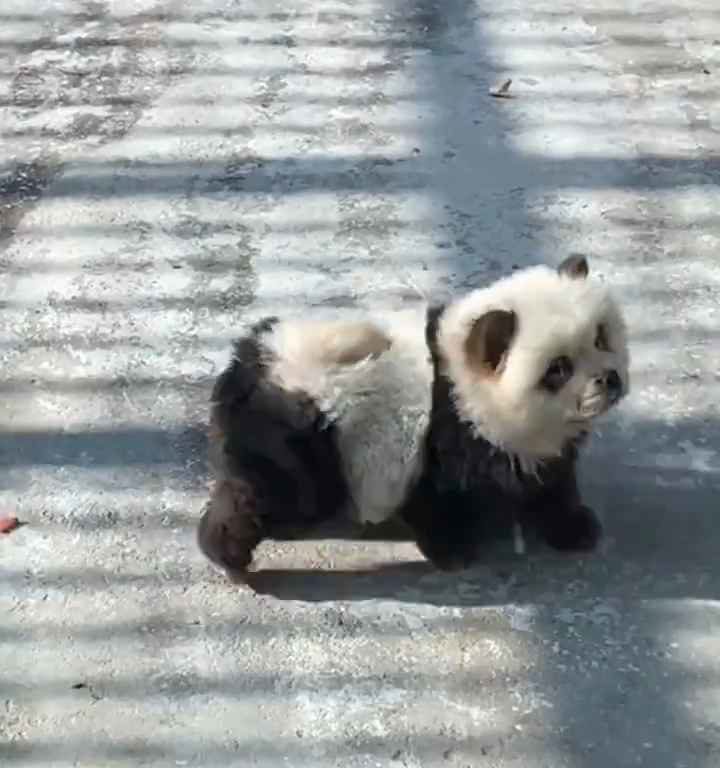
{"x": 503, "y": 92}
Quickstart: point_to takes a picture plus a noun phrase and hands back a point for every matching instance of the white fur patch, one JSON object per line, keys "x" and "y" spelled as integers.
{"x": 381, "y": 404}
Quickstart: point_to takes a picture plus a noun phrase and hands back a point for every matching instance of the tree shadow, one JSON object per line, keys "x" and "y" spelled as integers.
{"x": 604, "y": 684}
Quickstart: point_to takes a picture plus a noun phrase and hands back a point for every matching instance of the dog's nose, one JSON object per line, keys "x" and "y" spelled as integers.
{"x": 613, "y": 384}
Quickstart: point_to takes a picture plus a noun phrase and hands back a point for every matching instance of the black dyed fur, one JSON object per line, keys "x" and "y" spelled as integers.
{"x": 279, "y": 455}
{"x": 469, "y": 488}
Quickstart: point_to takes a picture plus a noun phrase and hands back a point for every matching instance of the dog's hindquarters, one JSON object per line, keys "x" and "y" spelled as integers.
{"x": 274, "y": 459}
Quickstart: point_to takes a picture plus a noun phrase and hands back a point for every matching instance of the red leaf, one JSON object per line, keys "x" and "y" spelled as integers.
{"x": 8, "y": 524}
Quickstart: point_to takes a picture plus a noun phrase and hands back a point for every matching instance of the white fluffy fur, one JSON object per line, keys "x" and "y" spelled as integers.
{"x": 557, "y": 315}
{"x": 381, "y": 404}
{"x": 381, "y": 397}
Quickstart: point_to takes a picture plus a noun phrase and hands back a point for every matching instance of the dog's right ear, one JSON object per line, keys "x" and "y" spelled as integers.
{"x": 575, "y": 267}
{"x": 432, "y": 320}
{"x": 488, "y": 342}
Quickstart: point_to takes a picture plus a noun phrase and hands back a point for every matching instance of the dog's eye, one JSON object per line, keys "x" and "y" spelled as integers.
{"x": 557, "y": 375}
{"x": 601, "y": 338}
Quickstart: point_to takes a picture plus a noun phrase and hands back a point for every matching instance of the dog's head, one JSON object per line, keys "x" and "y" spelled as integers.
{"x": 536, "y": 357}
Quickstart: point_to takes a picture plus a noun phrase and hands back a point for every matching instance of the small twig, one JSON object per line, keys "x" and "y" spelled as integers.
{"x": 518, "y": 539}
{"x": 127, "y": 399}
{"x": 89, "y": 688}
{"x": 412, "y": 284}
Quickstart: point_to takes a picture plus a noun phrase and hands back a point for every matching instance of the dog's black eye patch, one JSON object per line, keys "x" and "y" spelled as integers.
{"x": 557, "y": 375}
{"x": 601, "y": 338}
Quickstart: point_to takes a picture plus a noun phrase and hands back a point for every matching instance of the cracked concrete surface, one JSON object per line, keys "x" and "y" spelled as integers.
{"x": 170, "y": 171}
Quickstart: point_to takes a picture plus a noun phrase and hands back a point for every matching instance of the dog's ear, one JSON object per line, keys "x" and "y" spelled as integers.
{"x": 575, "y": 267}
{"x": 432, "y": 319}
{"x": 489, "y": 340}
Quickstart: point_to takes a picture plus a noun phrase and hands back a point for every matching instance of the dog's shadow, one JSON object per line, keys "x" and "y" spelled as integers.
{"x": 656, "y": 547}
{"x": 407, "y": 580}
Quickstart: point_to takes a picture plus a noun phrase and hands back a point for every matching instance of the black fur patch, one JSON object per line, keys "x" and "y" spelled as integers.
{"x": 277, "y": 443}
{"x": 470, "y": 489}
{"x": 247, "y": 367}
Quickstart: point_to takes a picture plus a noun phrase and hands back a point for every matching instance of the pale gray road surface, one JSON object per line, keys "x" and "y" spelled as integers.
{"x": 170, "y": 170}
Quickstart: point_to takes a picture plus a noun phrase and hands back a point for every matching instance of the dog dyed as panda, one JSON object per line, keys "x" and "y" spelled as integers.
{"x": 453, "y": 419}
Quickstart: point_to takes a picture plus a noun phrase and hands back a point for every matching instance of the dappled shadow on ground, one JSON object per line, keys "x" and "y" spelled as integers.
{"x": 618, "y": 645}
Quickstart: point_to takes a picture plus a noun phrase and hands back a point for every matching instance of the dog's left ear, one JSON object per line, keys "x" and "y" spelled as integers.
{"x": 488, "y": 342}
{"x": 575, "y": 267}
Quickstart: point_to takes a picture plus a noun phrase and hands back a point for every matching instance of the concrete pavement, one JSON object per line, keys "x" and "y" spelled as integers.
{"x": 170, "y": 171}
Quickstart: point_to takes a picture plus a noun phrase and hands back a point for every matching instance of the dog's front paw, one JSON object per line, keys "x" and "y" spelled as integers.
{"x": 449, "y": 555}
{"x": 451, "y": 562}
{"x": 579, "y": 530}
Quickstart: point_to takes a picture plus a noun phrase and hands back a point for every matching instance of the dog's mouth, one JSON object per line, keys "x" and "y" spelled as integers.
{"x": 578, "y": 427}
{"x": 583, "y": 421}
{"x": 591, "y": 407}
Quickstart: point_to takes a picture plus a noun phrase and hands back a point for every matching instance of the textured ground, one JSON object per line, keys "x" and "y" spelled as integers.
{"x": 169, "y": 170}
